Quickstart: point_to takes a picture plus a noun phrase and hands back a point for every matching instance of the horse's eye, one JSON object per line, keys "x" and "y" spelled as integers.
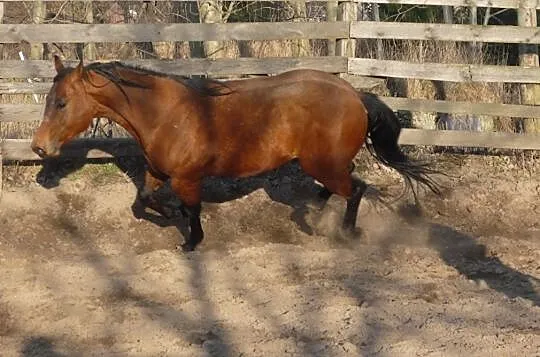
{"x": 60, "y": 104}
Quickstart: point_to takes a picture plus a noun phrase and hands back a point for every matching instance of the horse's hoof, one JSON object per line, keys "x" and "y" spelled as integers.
{"x": 188, "y": 247}
{"x": 138, "y": 211}
{"x": 167, "y": 212}
{"x": 349, "y": 234}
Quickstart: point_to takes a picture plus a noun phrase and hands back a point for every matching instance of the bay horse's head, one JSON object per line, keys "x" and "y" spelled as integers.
{"x": 69, "y": 111}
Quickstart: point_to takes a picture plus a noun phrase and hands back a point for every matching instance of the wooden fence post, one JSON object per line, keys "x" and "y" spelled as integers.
{"x": 347, "y": 11}
{"x": 528, "y": 57}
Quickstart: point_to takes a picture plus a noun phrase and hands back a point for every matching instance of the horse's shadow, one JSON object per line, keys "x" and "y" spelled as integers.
{"x": 472, "y": 260}
{"x": 288, "y": 185}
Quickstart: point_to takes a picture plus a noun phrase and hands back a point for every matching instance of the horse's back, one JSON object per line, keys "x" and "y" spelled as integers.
{"x": 268, "y": 121}
{"x": 293, "y": 77}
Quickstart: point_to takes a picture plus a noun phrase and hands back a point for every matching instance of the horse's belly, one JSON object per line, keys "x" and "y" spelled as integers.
{"x": 249, "y": 163}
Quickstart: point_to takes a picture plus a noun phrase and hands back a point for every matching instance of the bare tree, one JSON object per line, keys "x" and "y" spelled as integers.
{"x": 210, "y": 12}
{"x": 39, "y": 11}
{"x": 299, "y": 14}
{"x": 90, "y": 48}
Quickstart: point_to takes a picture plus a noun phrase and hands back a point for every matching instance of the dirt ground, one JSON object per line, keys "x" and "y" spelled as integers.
{"x": 82, "y": 275}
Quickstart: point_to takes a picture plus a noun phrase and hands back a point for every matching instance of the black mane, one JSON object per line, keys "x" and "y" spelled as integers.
{"x": 109, "y": 70}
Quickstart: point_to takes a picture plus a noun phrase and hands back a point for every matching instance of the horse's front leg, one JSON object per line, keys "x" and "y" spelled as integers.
{"x": 152, "y": 182}
{"x": 189, "y": 192}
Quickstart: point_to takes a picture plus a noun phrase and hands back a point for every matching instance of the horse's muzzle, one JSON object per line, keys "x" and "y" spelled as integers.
{"x": 39, "y": 151}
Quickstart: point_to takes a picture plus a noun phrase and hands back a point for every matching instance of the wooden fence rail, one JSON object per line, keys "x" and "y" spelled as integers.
{"x": 194, "y": 66}
{"x": 72, "y": 33}
{"x": 363, "y": 73}
{"x": 33, "y": 112}
{"x": 104, "y": 33}
{"x": 356, "y": 66}
{"x": 444, "y": 71}
{"x": 19, "y": 149}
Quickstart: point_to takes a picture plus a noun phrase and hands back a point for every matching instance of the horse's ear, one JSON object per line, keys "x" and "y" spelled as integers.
{"x": 58, "y": 65}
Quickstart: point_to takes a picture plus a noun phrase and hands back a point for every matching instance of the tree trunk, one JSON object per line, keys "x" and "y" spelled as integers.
{"x": 377, "y": 17}
{"x": 528, "y": 57}
{"x": 90, "y": 48}
{"x": 301, "y": 47}
{"x": 347, "y": 11}
{"x": 39, "y": 11}
{"x": 331, "y": 16}
{"x": 448, "y": 14}
{"x": 1, "y": 21}
{"x": 210, "y": 12}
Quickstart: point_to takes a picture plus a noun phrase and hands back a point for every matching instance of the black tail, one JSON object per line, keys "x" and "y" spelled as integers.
{"x": 383, "y": 131}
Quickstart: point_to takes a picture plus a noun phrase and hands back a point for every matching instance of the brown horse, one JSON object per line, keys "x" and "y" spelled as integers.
{"x": 192, "y": 128}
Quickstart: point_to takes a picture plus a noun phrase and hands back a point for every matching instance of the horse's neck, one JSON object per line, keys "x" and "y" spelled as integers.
{"x": 125, "y": 111}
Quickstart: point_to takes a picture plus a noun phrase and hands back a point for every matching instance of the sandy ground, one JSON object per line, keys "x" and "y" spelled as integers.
{"x": 81, "y": 275}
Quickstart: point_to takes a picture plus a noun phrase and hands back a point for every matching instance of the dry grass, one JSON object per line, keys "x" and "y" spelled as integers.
{"x": 447, "y": 52}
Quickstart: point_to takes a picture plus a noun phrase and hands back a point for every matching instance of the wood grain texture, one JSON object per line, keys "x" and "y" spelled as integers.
{"x": 469, "y": 139}
{"x": 443, "y": 106}
{"x": 444, "y": 32}
{"x": 223, "y": 67}
{"x": 32, "y": 112}
{"x": 73, "y": 33}
{"x": 19, "y": 149}
{"x": 444, "y": 72}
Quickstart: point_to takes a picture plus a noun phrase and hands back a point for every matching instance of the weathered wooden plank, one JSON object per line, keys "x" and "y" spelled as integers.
{"x": 33, "y": 112}
{"x": 461, "y": 138}
{"x": 218, "y": 67}
{"x": 19, "y": 149}
{"x": 442, "y": 106}
{"x": 20, "y": 112}
{"x": 24, "y": 87}
{"x": 59, "y": 33}
{"x": 465, "y": 3}
{"x": 16, "y": 33}
{"x": 443, "y": 72}
{"x": 358, "y": 82}
{"x": 357, "y": 66}
{"x": 444, "y": 32}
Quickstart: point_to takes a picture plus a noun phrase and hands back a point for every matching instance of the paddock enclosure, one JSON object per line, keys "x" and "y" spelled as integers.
{"x": 84, "y": 274}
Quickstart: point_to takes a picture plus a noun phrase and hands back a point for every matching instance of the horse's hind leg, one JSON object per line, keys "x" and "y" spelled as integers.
{"x": 342, "y": 182}
{"x": 353, "y": 203}
{"x": 324, "y": 194}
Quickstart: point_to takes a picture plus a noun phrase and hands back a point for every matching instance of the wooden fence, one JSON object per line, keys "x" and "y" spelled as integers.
{"x": 363, "y": 73}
